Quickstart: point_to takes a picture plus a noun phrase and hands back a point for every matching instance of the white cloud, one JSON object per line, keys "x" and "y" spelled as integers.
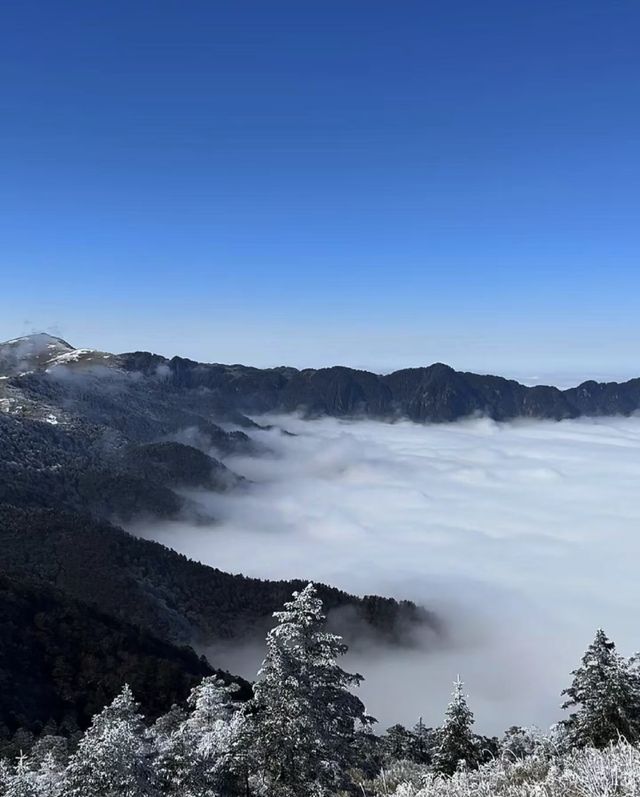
{"x": 524, "y": 536}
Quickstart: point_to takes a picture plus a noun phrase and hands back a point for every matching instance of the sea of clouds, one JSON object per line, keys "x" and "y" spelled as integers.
{"x": 523, "y": 536}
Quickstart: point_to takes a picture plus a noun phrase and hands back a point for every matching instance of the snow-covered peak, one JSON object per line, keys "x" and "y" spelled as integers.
{"x": 43, "y": 352}
{"x": 84, "y": 356}
{"x": 30, "y": 353}
{"x": 38, "y": 341}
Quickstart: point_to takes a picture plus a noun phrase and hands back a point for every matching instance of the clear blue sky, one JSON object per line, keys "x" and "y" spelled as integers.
{"x": 373, "y": 183}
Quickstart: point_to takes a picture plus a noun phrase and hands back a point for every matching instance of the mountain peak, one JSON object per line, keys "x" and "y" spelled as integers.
{"x": 43, "y": 352}
{"x": 31, "y": 352}
{"x": 37, "y": 340}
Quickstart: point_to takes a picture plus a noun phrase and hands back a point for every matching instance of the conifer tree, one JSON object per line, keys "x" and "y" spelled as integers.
{"x": 113, "y": 758}
{"x": 456, "y": 740}
{"x": 422, "y": 743}
{"x": 398, "y": 743}
{"x": 518, "y": 742}
{"x": 195, "y": 752}
{"x": 31, "y": 778}
{"x": 22, "y": 782}
{"x": 5, "y": 775}
{"x": 606, "y": 694}
{"x": 50, "y": 748}
{"x": 303, "y": 717}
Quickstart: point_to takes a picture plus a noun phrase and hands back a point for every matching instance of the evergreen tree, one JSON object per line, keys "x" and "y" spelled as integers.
{"x": 519, "y": 743}
{"x": 22, "y": 782}
{"x": 606, "y": 694}
{"x": 172, "y": 755}
{"x": 32, "y": 778}
{"x": 195, "y": 751}
{"x": 5, "y": 775}
{"x": 303, "y": 717}
{"x": 370, "y": 753}
{"x": 456, "y": 740}
{"x": 423, "y": 741}
{"x": 50, "y": 748}
{"x": 113, "y": 758}
{"x": 398, "y": 743}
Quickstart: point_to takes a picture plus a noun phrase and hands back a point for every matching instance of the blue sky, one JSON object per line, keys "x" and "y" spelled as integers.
{"x": 373, "y": 183}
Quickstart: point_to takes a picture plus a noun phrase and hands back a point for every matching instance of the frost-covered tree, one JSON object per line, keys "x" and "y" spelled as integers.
{"x": 303, "y": 718}
{"x": 456, "y": 740}
{"x": 32, "y": 778}
{"x": 519, "y": 743}
{"x": 21, "y": 782}
{"x": 606, "y": 694}
{"x": 5, "y": 775}
{"x": 196, "y": 751}
{"x": 49, "y": 776}
{"x": 49, "y": 748}
{"x": 114, "y": 757}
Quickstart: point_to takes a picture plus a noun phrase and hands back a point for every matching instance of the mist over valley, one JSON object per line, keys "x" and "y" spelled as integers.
{"x": 520, "y": 536}
{"x": 486, "y": 536}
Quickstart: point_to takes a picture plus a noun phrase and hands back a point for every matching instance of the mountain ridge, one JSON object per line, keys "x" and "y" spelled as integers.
{"x": 433, "y": 393}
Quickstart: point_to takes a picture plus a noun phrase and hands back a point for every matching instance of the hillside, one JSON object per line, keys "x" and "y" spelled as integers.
{"x": 61, "y": 661}
{"x": 164, "y": 592}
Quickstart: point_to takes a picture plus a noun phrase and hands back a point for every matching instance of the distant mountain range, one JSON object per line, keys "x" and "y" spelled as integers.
{"x": 435, "y": 393}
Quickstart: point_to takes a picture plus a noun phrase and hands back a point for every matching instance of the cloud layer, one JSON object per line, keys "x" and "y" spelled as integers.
{"x": 524, "y": 536}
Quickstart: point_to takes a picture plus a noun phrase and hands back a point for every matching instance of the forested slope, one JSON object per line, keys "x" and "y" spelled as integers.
{"x": 178, "y": 599}
{"x": 61, "y": 661}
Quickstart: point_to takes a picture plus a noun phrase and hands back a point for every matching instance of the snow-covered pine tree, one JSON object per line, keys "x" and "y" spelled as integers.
{"x": 114, "y": 756}
{"x": 6, "y": 773}
{"x": 21, "y": 782}
{"x": 606, "y": 694}
{"x": 172, "y": 755}
{"x": 217, "y": 727}
{"x": 456, "y": 741}
{"x": 32, "y": 778}
{"x": 50, "y": 749}
{"x": 518, "y": 742}
{"x": 303, "y": 717}
{"x": 195, "y": 751}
